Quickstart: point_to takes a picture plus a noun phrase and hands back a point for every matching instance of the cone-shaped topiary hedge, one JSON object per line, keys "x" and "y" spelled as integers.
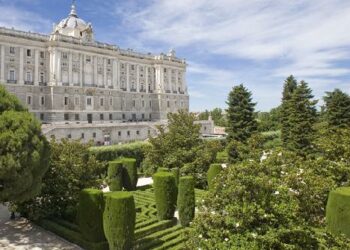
{"x": 186, "y": 200}
{"x": 90, "y": 213}
{"x": 176, "y": 173}
{"x": 115, "y": 174}
{"x": 338, "y": 211}
{"x": 213, "y": 171}
{"x": 129, "y": 173}
{"x": 165, "y": 191}
{"x": 119, "y": 220}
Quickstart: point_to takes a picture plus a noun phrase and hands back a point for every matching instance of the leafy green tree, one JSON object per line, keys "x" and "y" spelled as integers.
{"x": 240, "y": 114}
{"x": 72, "y": 169}
{"x": 204, "y": 115}
{"x": 218, "y": 117}
{"x": 337, "y": 108}
{"x": 290, "y": 85}
{"x": 269, "y": 121}
{"x": 302, "y": 116}
{"x": 24, "y": 151}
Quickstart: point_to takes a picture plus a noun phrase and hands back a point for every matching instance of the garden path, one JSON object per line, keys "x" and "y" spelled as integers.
{"x": 20, "y": 234}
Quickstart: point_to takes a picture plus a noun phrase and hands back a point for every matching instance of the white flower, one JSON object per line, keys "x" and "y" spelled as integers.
{"x": 265, "y": 215}
{"x": 200, "y": 236}
{"x": 254, "y": 235}
{"x": 276, "y": 192}
{"x": 212, "y": 212}
{"x": 237, "y": 224}
{"x": 280, "y": 154}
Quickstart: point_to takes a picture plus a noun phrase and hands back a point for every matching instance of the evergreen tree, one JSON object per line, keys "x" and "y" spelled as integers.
{"x": 301, "y": 117}
{"x": 240, "y": 114}
{"x": 290, "y": 84}
{"x": 337, "y": 109}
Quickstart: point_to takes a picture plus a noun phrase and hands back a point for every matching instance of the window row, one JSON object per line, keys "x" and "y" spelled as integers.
{"x": 29, "y": 52}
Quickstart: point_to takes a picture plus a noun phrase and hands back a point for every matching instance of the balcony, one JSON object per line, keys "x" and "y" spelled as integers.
{"x": 174, "y": 92}
{"x": 12, "y": 81}
{"x": 42, "y": 84}
{"x": 167, "y": 91}
{"x": 124, "y": 89}
{"x": 181, "y": 92}
{"x": 142, "y": 90}
{"x": 132, "y": 90}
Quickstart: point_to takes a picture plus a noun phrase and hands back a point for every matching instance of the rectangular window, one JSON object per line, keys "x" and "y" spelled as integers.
{"x": 119, "y": 133}
{"x": 110, "y": 101}
{"x": 137, "y": 132}
{"x": 82, "y": 135}
{"x": 150, "y": 104}
{"x": 64, "y": 55}
{"x": 108, "y": 61}
{"x": 42, "y": 77}
{"x": 164, "y": 70}
{"x": 65, "y": 100}
{"x": 42, "y": 116}
{"x": 89, "y": 101}
{"x": 42, "y": 54}
{"x": 128, "y": 133}
{"x": 66, "y": 117}
{"x": 42, "y": 100}
{"x": 94, "y": 135}
{"x": 12, "y": 50}
{"x": 101, "y": 117}
{"x": 88, "y": 59}
{"x": 123, "y": 115}
{"x": 29, "y": 76}
{"x": 143, "y": 103}
{"x": 77, "y": 118}
{"x": 29, "y": 52}
{"x": 76, "y": 100}
{"x": 110, "y": 117}
{"x": 29, "y": 100}
{"x": 101, "y": 102}
{"x": 132, "y": 67}
{"x": 134, "y": 103}
{"x": 69, "y": 136}
{"x": 12, "y": 75}
{"x": 168, "y": 104}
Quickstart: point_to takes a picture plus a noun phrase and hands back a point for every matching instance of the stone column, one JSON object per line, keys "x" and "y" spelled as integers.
{"x": 36, "y": 65}
{"x": 114, "y": 72}
{"x": 2, "y": 64}
{"x": 70, "y": 69}
{"x": 20, "y": 74}
{"x": 95, "y": 78}
{"x": 177, "y": 80}
{"x": 146, "y": 76}
{"x": 184, "y": 85}
{"x": 58, "y": 67}
{"x": 81, "y": 60}
{"x": 127, "y": 77}
{"x": 137, "y": 78}
{"x": 104, "y": 61}
{"x": 52, "y": 67}
{"x": 170, "y": 84}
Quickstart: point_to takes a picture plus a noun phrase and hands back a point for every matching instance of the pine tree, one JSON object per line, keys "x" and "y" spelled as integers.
{"x": 337, "y": 109}
{"x": 240, "y": 114}
{"x": 290, "y": 84}
{"x": 301, "y": 117}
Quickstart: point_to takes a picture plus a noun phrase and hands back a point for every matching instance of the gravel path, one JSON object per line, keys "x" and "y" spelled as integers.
{"x": 20, "y": 234}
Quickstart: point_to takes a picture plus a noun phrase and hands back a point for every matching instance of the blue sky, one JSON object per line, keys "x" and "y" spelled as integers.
{"x": 225, "y": 42}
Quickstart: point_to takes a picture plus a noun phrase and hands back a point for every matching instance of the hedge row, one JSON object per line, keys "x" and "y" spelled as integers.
{"x": 213, "y": 171}
{"x": 134, "y": 150}
{"x": 186, "y": 200}
{"x": 115, "y": 175}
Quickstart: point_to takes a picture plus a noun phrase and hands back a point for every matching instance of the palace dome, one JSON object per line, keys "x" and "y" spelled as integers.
{"x": 74, "y": 26}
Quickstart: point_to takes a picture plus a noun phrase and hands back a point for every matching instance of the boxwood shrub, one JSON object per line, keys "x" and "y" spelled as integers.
{"x": 186, "y": 200}
{"x": 213, "y": 171}
{"x": 115, "y": 175}
{"x": 221, "y": 157}
{"x": 129, "y": 173}
{"x": 163, "y": 170}
{"x": 176, "y": 173}
{"x": 165, "y": 191}
{"x": 338, "y": 211}
{"x": 119, "y": 220}
{"x": 89, "y": 216}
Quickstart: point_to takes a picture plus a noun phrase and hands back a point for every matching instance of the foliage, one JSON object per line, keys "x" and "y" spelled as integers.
{"x": 24, "y": 151}
{"x": 216, "y": 115}
{"x": 90, "y": 213}
{"x": 338, "y": 214}
{"x": 71, "y": 169}
{"x": 290, "y": 85}
{"x": 180, "y": 146}
{"x": 115, "y": 175}
{"x": 213, "y": 172}
{"x": 119, "y": 220}
{"x": 221, "y": 157}
{"x": 129, "y": 173}
{"x": 278, "y": 203}
{"x": 269, "y": 121}
{"x": 301, "y": 117}
{"x": 240, "y": 114}
{"x": 186, "y": 200}
{"x": 134, "y": 150}
{"x": 165, "y": 191}
{"x": 176, "y": 173}
{"x": 337, "y": 109}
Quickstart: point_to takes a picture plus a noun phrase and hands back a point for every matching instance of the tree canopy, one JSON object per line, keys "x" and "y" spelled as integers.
{"x": 337, "y": 109}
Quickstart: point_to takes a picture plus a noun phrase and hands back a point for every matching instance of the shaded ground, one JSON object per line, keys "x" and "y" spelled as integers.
{"x": 20, "y": 234}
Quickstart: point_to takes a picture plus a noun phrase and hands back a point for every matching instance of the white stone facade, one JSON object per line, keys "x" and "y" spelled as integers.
{"x": 68, "y": 79}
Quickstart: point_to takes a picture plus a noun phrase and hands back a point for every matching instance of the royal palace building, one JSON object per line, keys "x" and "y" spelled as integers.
{"x": 83, "y": 89}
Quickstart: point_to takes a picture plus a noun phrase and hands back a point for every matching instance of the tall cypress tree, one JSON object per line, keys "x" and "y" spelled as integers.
{"x": 301, "y": 117}
{"x": 290, "y": 85}
{"x": 337, "y": 109}
{"x": 240, "y": 114}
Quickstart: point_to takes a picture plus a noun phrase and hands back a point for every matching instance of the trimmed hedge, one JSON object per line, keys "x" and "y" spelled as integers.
{"x": 129, "y": 173}
{"x": 213, "y": 171}
{"x": 119, "y": 220}
{"x": 221, "y": 157}
{"x": 186, "y": 200}
{"x": 115, "y": 175}
{"x": 134, "y": 150}
{"x": 90, "y": 211}
{"x": 165, "y": 191}
{"x": 338, "y": 211}
{"x": 176, "y": 173}
{"x": 163, "y": 170}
